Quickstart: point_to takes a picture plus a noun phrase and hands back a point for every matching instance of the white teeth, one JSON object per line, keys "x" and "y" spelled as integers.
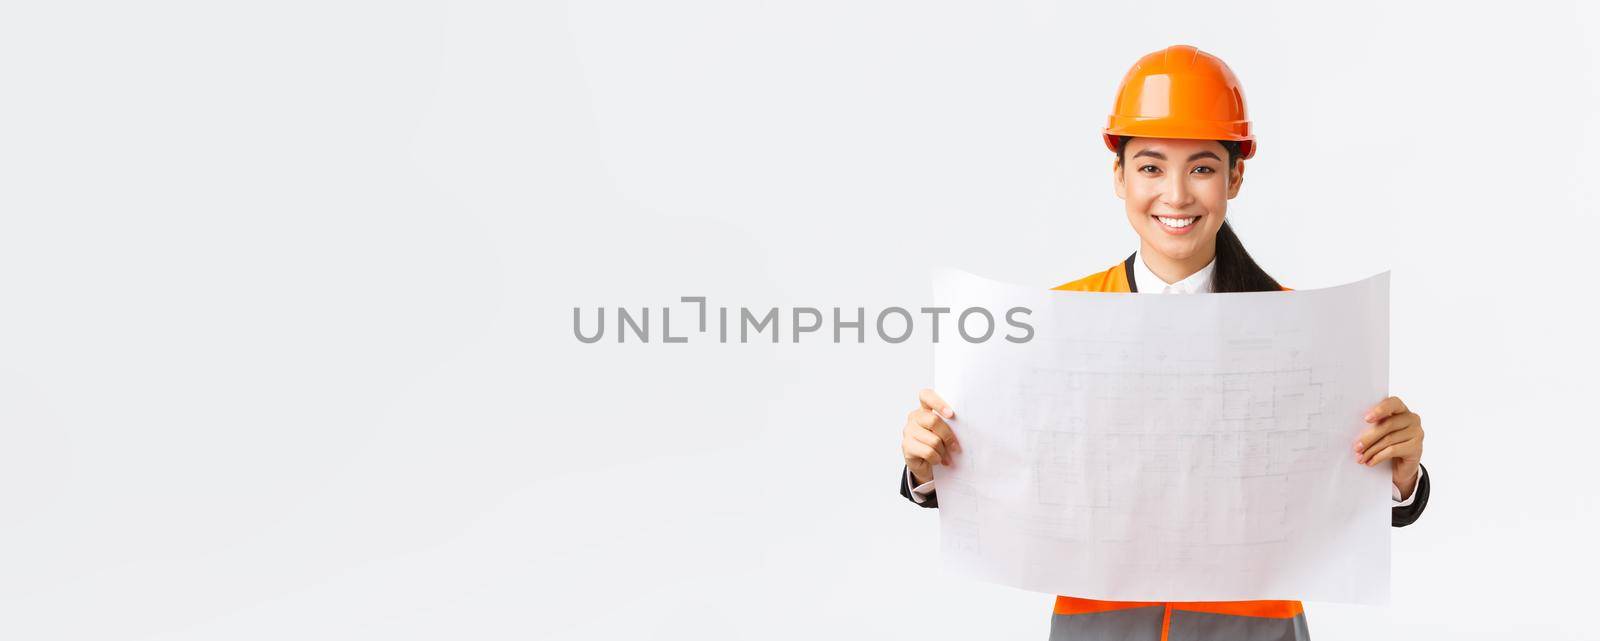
{"x": 1176, "y": 222}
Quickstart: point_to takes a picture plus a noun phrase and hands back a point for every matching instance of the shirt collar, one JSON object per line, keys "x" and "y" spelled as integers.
{"x": 1149, "y": 283}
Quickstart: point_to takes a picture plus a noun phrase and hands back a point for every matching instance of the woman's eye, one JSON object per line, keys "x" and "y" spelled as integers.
{"x": 1148, "y": 169}
{"x": 1203, "y": 170}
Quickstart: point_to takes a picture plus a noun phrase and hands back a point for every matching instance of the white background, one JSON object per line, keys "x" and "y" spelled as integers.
{"x": 286, "y": 293}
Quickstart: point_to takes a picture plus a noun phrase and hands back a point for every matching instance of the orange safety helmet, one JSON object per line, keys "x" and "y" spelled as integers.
{"x": 1181, "y": 92}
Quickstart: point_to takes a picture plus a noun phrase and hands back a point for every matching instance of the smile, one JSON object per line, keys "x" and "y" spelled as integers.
{"x": 1179, "y": 225}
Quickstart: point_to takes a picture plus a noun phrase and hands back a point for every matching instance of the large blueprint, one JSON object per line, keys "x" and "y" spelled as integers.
{"x": 1168, "y": 447}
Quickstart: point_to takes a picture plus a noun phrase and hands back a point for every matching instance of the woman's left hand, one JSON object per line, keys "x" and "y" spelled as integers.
{"x": 1396, "y": 434}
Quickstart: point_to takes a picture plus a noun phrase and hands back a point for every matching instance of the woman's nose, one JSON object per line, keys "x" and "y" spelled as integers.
{"x": 1176, "y": 193}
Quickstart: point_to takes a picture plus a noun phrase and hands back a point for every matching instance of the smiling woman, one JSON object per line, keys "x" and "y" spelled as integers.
{"x": 1179, "y": 209}
{"x": 1181, "y": 135}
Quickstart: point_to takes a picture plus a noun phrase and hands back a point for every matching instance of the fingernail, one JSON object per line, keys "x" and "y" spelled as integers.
{"x": 947, "y": 413}
{"x": 1358, "y": 447}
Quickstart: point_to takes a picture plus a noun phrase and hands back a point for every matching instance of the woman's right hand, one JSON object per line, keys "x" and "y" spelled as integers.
{"x": 927, "y": 439}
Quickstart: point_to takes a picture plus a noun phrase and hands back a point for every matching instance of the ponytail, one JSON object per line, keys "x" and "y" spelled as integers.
{"x": 1236, "y": 271}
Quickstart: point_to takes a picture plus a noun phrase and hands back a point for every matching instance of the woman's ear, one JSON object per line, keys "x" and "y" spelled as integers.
{"x": 1235, "y": 178}
{"x": 1116, "y": 179}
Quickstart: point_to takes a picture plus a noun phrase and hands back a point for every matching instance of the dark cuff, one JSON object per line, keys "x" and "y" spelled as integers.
{"x": 1403, "y": 516}
{"x": 933, "y": 498}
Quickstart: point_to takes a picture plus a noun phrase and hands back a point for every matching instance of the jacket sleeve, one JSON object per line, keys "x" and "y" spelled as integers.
{"x": 933, "y": 497}
{"x": 1403, "y": 516}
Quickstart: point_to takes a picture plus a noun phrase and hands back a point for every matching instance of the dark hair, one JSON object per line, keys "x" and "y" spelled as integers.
{"x": 1236, "y": 271}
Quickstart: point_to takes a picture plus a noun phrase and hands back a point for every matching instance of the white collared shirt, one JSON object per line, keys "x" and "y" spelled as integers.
{"x": 1147, "y": 282}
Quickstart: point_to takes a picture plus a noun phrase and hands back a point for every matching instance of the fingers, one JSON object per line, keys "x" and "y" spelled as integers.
{"x": 924, "y": 426}
{"x": 932, "y": 401}
{"x": 928, "y": 439}
{"x": 1371, "y": 454}
{"x": 921, "y": 470}
{"x": 1396, "y": 434}
{"x": 1385, "y": 408}
{"x": 927, "y": 420}
{"x": 1402, "y": 450}
{"x": 932, "y": 440}
{"x": 1373, "y": 434}
{"x": 918, "y": 451}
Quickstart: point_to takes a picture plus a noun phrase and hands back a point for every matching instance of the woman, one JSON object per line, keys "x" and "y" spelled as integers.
{"x": 1181, "y": 135}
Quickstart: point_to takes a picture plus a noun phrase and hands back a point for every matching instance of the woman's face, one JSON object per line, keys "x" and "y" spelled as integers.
{"x": 1176, "y": 193}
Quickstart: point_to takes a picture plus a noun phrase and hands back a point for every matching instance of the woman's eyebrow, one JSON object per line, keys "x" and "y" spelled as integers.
{"x": 1159, "y": 155}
